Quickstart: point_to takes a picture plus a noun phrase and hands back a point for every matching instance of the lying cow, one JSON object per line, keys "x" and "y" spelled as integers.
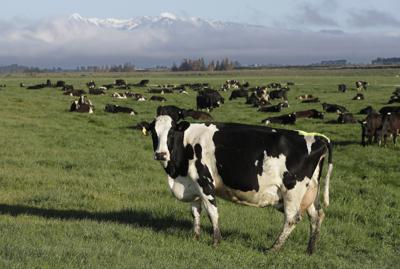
{"x": 119, "y": 109}
{"x": 311, "y": 100}
{"x": 344, "y": 118}
{"x": 284, "y": 119}
{"x": 311, "y": 113}
{"x": 371, "y": 128}
{"x": 238, "y": 94}
{"x": 389, "y": 109}
{"x": 197, "y": 115}
{"x": 305, "y": 96}
{"x": 158, "y": 98}
{"x": 74, "y": 92}
{"x": 98, "y": 91}
{"x": 279, "y": 94}
{"x": 245, "y": 164}
{"x": 118, "y": 95}
{"x": 82, "y": 105}
{"x": 333, "y": 108}
{"x": 361, "y": 85}
{"x": 275, "y": 108}
{"x": 391, "y": 125}
{"x": 394, "y": 99}
{"x": 359, "y": 96}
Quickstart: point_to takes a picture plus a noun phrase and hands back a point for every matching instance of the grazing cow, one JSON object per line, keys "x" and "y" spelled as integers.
{"x": 284, "y": 119}
{"x": 289, "y": 83}
{"x": 208, "y": 99}
{"x": 359, "y": 96}
{"x": 119, "y": 109}
{"x": 279, "y": 94}
{"x": 333, "y": 108}
{"x": 249, "y": 165}
{"x": 370, "y": 128}
{"x": 391, "y": 125}
{"x": 174, "y": 112}
{"x": 197, "y": 115}
{"x": 82, "y": 105}
{"x": 346, "y": 118}
{"x": 311, "y": 100}
{"x": 275, "y": 108}
{"x": 342, "y": 88}
{"x": 389, "y": 109}
{"x": 158, "y": 98}
{"x": 361, "y": 85}
{"x": 118, "y": 95}
{"x": 311, "y": 113}
{"x": 367, "y": 110}
{"x": 98, "y": 91}
{"x": 238, "y": 94}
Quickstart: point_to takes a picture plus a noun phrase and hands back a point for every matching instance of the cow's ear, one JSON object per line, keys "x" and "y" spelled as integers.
{"x": 146, "y": 127}
{"x": 182, "y": 126}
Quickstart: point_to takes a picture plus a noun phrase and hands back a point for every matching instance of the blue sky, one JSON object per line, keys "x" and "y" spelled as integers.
{"x": 354, "y": 15}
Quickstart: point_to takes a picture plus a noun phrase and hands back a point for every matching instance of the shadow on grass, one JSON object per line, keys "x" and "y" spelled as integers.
{"x": 138, "y": 218}
{"x": 134, "y": 217}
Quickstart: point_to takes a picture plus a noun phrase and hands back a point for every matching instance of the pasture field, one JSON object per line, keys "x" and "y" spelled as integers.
{"x": 83, "y": 191}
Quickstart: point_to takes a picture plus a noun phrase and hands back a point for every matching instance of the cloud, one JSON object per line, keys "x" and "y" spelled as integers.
{"x": 372, "y": 18}
{"x": 310, "y": 15}
{"x": 162, "y": 40}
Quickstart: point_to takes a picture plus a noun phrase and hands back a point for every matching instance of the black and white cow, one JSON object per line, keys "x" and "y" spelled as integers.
{"x": 245, "y": 164}
{"x": 342, "y": 88}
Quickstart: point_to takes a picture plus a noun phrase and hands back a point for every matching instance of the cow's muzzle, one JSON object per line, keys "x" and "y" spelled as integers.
{"x": 160, "y": 156}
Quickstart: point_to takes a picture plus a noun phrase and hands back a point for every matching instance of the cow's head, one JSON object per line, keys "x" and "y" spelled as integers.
{"x": 167, "y": 136}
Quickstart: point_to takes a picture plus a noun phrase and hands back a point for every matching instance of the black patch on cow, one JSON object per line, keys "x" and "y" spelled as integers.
{"x": 205, "y": 179}
{"x": 179, "y": 162}
{"x": 189, "y": 152}
{"x": 238, "y": 147}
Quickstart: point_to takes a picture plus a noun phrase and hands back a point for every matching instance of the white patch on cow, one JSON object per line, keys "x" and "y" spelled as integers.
{"x": 309, "y": 141}
{"x": 273, "y": 130}
{"x": 141, "y": 99}
{"x": 132, "y": 113}
{"x": 183, "y": 188}
{"x": 162, "y": 126}
{"x": 267, "y": 122}
{"x": 256, "y": 163}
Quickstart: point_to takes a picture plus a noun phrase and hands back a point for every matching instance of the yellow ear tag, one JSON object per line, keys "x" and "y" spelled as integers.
{"x": 144, "y": 131}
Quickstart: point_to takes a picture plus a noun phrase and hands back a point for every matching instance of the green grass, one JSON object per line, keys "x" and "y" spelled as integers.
{"x": 82, "y": 191}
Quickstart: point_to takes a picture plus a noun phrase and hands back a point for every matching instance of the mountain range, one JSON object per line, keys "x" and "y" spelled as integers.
{"x": 73, "y": 40}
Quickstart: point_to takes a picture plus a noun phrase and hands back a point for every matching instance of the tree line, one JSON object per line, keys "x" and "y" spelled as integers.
{"x": 201, "y": 65}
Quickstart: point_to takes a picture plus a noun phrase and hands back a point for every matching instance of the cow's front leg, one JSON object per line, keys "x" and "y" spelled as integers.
{"x": 196, "y": 211}
{"x": 212, "y": 211}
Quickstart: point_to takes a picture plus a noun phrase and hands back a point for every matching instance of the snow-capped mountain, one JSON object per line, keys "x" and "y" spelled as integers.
{"x": 75, "y": 40}
{"x": 165, "y": 19}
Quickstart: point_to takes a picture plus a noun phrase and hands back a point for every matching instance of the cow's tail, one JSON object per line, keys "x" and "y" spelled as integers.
{"x": 328, "y": 174}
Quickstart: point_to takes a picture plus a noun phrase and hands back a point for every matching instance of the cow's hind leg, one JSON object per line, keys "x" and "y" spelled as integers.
{"x": 196, "y": 211}
{"x": 316, "y": 217}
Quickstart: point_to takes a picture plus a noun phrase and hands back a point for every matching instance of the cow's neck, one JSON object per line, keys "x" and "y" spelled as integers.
{"x": 178, "y": 163}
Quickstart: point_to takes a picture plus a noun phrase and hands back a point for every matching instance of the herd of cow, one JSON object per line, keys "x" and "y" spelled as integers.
{"x": 247, "y": 164}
